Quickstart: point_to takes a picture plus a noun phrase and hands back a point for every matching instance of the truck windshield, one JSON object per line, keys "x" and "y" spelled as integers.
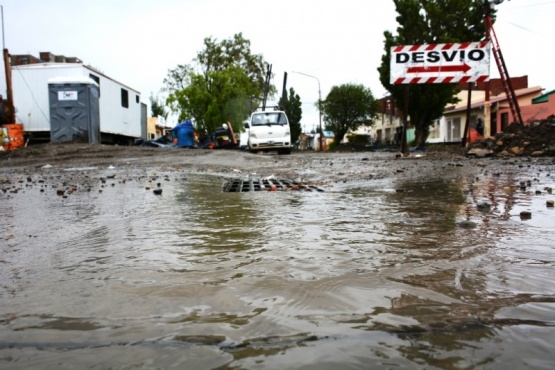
{"x": 269, "y": 118}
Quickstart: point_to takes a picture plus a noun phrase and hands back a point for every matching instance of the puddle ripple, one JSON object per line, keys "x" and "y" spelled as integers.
{"x": 378, "y": 274}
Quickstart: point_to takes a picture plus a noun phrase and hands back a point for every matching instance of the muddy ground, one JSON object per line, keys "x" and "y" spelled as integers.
{"x": 516, "y": 144}
{"x": 227, "y": 162}
{"x": 309, "y": 167}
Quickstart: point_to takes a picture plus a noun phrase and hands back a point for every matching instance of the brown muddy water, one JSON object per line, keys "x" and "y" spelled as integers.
{"x": 427, "y": 272}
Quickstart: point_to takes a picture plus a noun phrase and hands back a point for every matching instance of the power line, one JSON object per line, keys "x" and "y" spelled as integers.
{"x": 531, "y": 31}
{"x": 532, "y": 5}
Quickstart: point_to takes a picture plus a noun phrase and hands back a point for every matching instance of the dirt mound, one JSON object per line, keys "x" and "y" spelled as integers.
{"x": 536, "y": 140}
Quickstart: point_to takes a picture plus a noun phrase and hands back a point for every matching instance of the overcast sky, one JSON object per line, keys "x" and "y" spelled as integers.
{"x": 137, "y": 41}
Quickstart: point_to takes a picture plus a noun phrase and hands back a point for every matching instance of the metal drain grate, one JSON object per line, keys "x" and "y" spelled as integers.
{"x": 246, "y": 185}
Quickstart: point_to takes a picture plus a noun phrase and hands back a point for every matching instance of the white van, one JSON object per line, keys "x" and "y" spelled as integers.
{"x": 269, "y": 131}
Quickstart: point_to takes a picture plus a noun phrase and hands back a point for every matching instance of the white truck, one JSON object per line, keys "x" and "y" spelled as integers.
{"x": 269, "y": 131}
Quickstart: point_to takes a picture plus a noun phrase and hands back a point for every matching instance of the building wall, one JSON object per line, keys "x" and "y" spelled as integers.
{"x": 496, "y": 85}
{"x": 44, "y": 57}
{"x": 529, "y": 112}
{"x": 455, "y": 117}
{"x": 151, "y": 124}
{"x": 387, "y": 123}
{"x": 16, "y": 60}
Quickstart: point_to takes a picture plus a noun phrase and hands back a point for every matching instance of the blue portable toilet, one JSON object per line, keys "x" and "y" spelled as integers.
{"x": 185, "y": 134}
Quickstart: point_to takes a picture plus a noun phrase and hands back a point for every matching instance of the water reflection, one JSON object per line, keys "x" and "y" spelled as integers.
{"x": 377, "y": 274}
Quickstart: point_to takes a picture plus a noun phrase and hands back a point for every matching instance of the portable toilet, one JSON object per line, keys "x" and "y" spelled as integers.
{"x": 74, "y": 110}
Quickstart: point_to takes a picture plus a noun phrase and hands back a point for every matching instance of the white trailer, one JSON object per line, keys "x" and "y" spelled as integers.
{"x": 119, "y": 105}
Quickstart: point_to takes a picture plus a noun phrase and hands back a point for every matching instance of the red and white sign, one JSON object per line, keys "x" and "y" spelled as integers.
{"x": 440, "y": 63}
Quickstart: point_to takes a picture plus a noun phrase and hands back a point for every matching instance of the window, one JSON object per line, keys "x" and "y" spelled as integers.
{"x": 137, "y": 99}
{"x": 388, "y": 134}
{"x": 95, "y": 78}
{"x": 454, "y": 129}
{"x": 268, "y": 118}
{"x": 124, "y": 98}
{"x": 434, "y": 130}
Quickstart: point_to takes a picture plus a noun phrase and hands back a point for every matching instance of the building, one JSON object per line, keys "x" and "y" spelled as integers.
{"x": 455, "y": 116}
{"x": 389, "y": 124}
{"x": 534, "y": 105}
{"x": 44, "y": 57}
{"x": 156, "y": 127}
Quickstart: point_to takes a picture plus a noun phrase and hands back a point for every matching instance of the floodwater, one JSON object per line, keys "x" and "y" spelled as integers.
{"x": 382, "y": 274}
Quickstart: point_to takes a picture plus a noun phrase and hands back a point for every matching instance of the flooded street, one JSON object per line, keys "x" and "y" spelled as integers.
{"x": 396, "y": 264}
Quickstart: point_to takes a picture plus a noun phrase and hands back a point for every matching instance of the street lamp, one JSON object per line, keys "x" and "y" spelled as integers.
{"x": 319, "y": 102}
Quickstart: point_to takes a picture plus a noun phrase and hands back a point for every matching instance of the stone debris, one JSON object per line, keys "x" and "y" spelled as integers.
{"x": 536, "y": 139}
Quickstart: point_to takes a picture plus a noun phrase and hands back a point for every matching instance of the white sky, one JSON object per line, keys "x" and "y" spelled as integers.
{"x": 137, "y": 41}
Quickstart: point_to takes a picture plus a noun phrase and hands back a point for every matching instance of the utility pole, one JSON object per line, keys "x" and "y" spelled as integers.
{"x": 11, "y": 111}
{"x": 319, "y": 109}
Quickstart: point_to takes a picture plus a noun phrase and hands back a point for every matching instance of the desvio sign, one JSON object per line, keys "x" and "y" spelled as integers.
{"x": 440, "y": 63}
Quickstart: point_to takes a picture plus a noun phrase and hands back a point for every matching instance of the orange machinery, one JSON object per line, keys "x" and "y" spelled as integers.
{"x": 12, "y": 136}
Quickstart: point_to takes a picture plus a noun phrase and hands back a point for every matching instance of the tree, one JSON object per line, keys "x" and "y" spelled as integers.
{"x": 177, "y": 78}
{"x": 157, "y": 107}
{"x": 292, "y": 107}
{"x": 226, "y": 84}
{"x": 429, "y": 22}
{"x": 347, "y": 107}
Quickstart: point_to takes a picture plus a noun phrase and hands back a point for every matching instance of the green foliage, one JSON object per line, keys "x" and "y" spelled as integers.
{"x": 429, "y": 22}
{"x": 333, "y": 146}
{"x": 226, "y": 85}
{"x": 347, "y": 107}
{"x": 358, "y": 139}
{"x": 292, "y": 107}
{"x": 157, "y": 107}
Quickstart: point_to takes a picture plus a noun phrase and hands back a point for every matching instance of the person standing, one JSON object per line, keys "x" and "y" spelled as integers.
{"x": 480, "y": 126}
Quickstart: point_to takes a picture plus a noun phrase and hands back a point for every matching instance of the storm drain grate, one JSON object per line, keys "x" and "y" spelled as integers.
{"x": 246, "y": 185}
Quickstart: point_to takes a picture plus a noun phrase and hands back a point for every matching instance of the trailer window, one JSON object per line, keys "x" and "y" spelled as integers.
{"x": 124, "y": 98}
{"x": 97, "y": 80}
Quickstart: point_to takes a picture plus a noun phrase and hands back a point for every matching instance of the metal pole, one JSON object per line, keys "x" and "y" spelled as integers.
{"x": 320, "y": 115}
{"x": 8, "y": 71}
{"x": 3, "y": 40}
{"x": 319, "y": 109}
{"x": 465, "y": 138}
{"x": 404, "y": 149}
{"x": 487, "y": 103}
